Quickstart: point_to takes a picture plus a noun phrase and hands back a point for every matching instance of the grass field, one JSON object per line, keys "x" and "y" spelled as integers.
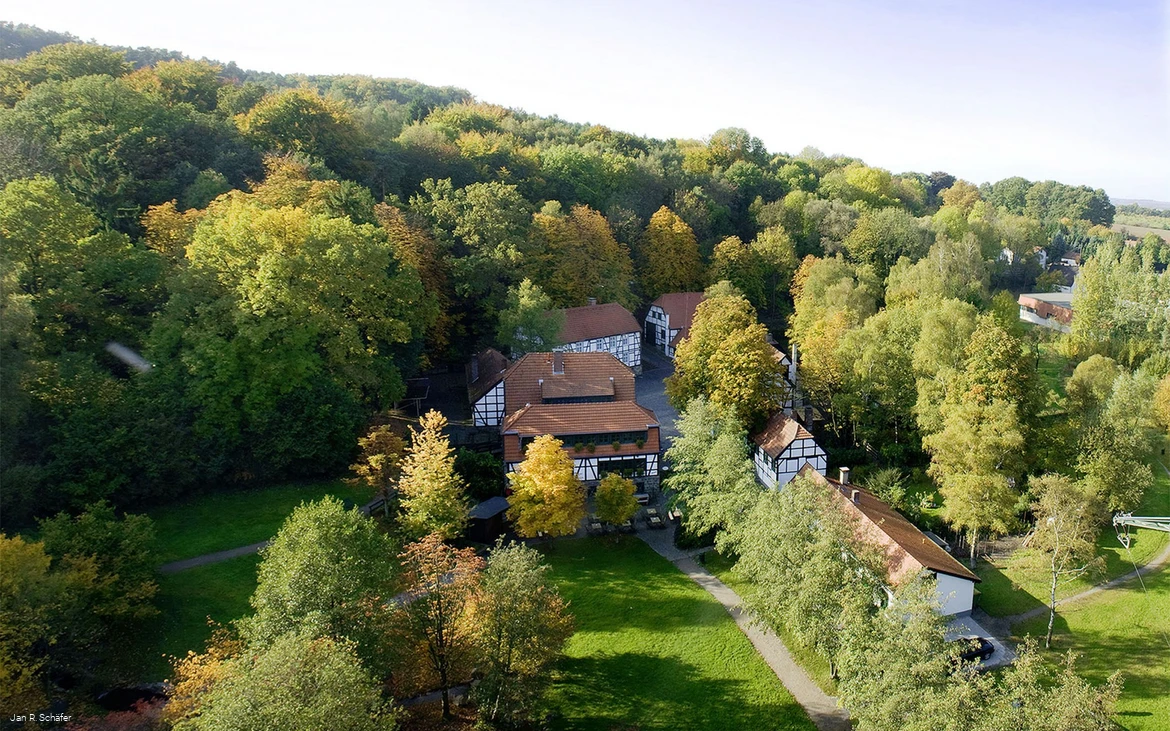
{"x": 1017, "y": 585}
{"x": 186, "y": 600}
{"x": 1124, "y": 629}
{"x": 655, "y": 651}
{"x": 219, "y": 521}
{"x": 810, "y": 660}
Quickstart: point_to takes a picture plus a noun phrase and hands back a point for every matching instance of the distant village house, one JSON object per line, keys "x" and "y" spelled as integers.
{"x": 608, "y": 328}
{"x": 669, "y": 320}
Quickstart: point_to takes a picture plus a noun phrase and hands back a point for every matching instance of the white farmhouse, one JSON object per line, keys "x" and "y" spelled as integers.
{"x": 608, "y": 328}
{"x": 782, "y": 449}
{"x": 907, "y": 550}
{"x": 669, "y": 319}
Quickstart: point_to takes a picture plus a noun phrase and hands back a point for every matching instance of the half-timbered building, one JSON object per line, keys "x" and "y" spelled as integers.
{"x": 620, "y": 437}
{"x": 608, "y": 328}
{"x": 669, "y": 320}
{"x": 485, "y": 387}
{"x": 782, "y": 448}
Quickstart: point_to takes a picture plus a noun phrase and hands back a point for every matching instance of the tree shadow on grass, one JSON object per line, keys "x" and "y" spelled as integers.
{"x": 654, "y": 692}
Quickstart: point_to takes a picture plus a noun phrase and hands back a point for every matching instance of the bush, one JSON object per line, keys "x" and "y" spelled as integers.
{"x": 687, "y": 540}
{"x": 617, "y": 446}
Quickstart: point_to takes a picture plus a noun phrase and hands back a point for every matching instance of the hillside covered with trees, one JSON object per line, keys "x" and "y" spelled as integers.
{"x": 286, "y": 251}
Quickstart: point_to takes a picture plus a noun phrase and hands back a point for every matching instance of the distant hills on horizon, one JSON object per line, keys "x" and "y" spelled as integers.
{"x": 1143, "y": 202}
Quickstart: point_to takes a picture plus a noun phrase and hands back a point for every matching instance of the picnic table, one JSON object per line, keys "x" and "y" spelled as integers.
{"x": 654, "y": 519}
{"x": 593, "y": 525}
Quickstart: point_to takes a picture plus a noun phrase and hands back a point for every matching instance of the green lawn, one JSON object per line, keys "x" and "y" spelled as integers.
{"x": 186, "y": 600}
{"x": 219, "y": 521}
{"x": 653, "y": 650}
{"x": 1123, "y": 629}
{"x": 1017, "y": 585}
{"x": 809, "y": 659}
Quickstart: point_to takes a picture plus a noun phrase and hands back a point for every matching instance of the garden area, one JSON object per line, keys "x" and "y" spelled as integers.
{"x": 653, "y": 650}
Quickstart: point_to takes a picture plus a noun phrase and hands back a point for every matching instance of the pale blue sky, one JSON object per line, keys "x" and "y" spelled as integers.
{"x": 1075, "y": 91}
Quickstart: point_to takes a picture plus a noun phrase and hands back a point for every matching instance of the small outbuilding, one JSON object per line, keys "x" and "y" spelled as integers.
{"x": 486, "y": 520}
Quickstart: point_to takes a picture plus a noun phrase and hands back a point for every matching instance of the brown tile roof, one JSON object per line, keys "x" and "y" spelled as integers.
{"x": 576, "y": 387}
{"x": 779, "y": 433}
{"x": 490, "y": 365}
{"x": 568, "y": 419}
{"x": 907, "y": 548}
{"x": 681, "y": 307}
{"x": 596, "y": 321}
{"x": 522, "y": 382}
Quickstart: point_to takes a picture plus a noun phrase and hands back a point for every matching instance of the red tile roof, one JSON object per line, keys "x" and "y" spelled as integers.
{"x": 907, "y": 549}
{"x": 525, "y": 381}
{"x": 568, "y": 419}
{"x": 680, "y": 306}
{"x": 576, "y": 388}
{"x": 596, "y": 321}
{"x": 779, "y": 433}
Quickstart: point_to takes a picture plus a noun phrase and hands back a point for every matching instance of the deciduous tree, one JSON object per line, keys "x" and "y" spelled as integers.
{"x": 979, "y": 446}
{"x": 436, "y": 614}
{"x": 380, "y": 463}
{"x": 1068, "y": 518}
{"x": 668, "y": 257}
{"x": 298, "y": 682}
{"x": 522, "y": 625}
{"x": 547, "y": 498}
{"x": 615, "y": 499}
{"x": 433, "y": 496}
{"x": 529, "y": 323}
{"x": 325, "y": 573}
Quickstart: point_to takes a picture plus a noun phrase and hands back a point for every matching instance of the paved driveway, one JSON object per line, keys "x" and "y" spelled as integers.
{"x": 651, "y": 392}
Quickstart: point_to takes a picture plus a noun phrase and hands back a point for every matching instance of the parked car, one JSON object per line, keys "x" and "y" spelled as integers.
{"x": 975, "y": 648}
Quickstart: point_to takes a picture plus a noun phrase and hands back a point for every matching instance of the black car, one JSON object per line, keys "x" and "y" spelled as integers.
{"x": 975, "y": 648}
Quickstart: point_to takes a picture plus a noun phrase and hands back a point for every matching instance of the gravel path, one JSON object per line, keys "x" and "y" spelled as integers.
{"x": 1002, "y": 625}
{"x": 822, "y": 708}
{"x": 189, "y": 563}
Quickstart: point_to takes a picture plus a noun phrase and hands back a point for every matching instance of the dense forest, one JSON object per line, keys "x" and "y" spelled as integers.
{"x": 284, "y": 251}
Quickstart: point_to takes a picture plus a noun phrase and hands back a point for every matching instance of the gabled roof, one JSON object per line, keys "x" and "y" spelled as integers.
{"x": 907, "y": 548}
{"x": 489, "y": 367}
{"x": 596, "y": 321}
{"x": 568, "y": 419}
{"x": 680, "y": 306}
{"x": 779, "y": 433}
{"x": 529, "y": 377}
{"x": 576, "y": 387}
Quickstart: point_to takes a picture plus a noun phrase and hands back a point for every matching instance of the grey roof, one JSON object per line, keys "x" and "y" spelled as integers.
{"x": 1064, "y": 299}
{"x": 489, "y": 508}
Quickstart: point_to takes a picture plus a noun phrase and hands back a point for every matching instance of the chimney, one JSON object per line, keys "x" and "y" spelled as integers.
{"x": 855, "y": 496}
{"x": 844, "y": 476}
{"x": 592, "y": 301}
{"x": 558, "y": 364}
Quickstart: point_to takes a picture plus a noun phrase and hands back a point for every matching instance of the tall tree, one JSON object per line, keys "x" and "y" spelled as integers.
{"x": 739, "y": 264}
{"x": 442, "y": 585}
{"x": 529, "y": 323}
{"x": 811, "y": 572}
{"x": 326, "y": 573}
{"x": 971, "y": 458}
{"x": 575, "y": 257}
{"x": 547, "y": 498}
{"x": 726, "y": 358}
{"x": 379, "y": 464}
{"x": 712, "y": 474}
{"x": 668, "y": 258}
{"x": 433, "y": 495}
{"x": 1068, "y": 517}
{"x": 522, "y": 625}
